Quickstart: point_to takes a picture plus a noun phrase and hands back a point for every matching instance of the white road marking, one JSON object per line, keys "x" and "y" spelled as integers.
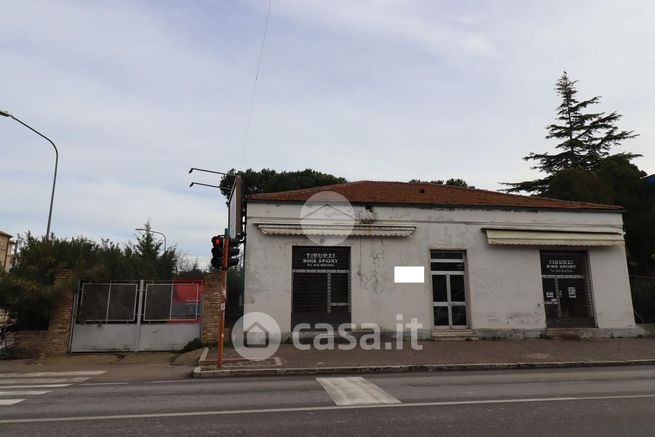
{"x": 23, "y": 392}
{"x": 355, "y": 391}
{"x": 11, "y": 387}
{"x": 12, "y": 383}
{"x": 104, "y": 383}
{"x": 40, "y": 380}
{"x": 10, "y": 401}
{"x": 53, "y": 374}
{"x": 163, "y": 381}
{"x": 307, "y": 409}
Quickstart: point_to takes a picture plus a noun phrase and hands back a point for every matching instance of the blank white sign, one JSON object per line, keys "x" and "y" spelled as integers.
{"x": 408, "y": 274}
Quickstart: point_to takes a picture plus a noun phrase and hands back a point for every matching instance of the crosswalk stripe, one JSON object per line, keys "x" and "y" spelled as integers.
{"x": 53, "y": 374}
{"x": 23, "y": 384}
{"x": 10, "y": 401}
{"x": 355, "y": 391}
{"x": 23, "y": 392}
{"x": 40, "y": 380}
{"x": 11, "y": 387}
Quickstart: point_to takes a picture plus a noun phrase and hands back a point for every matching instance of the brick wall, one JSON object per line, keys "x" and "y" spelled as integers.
{"x": 59, "y": 328}
{"x": 54, "y": 340}
{"x": 30, "y": 343}
{"x": 213, "y": 306}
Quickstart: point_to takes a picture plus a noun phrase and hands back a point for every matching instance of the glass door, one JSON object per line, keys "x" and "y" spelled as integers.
{"x": 448, "y": 290}
{"x": 567, "y": 295}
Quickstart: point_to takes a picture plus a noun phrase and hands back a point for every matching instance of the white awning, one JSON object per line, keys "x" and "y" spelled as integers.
{"x": 552, "y": 238}
{"x": 358, "y": 230}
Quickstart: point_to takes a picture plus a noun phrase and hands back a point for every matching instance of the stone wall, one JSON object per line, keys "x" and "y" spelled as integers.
{"x": 213, "y": 305}
{"x": 54, "y": 340}
{"x": 30, "y": 343}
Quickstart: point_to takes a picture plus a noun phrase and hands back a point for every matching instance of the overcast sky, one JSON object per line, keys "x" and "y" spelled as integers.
{"x": 135, "y": 93}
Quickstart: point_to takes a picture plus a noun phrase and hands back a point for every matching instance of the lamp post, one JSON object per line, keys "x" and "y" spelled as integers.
{"x": 154, "y": 232}
{"x": 54, "y": 180}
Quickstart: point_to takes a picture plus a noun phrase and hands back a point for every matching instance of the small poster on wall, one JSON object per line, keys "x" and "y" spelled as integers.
{"x": 572, "y": 293}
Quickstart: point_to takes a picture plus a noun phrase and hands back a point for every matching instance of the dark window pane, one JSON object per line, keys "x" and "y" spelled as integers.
{"x": 309, "y": 293}
{"x": 573, "y": 298}
{"x": 339, "y": 288}
{"x": 457, "y": 293}
{"x": 439, "y": 292}
{"x": 459, "y": 315}
{"x": 121, "y": 301}
{"x": 441, "y": 316}
{"x": 158, "y": 302}
{"x": 550, "y": 298}
{"x": 339, "y": 309}
{"x": 447, "y": 267}
{"x": 93, "y": 304}
{"x": 435, "y": 254}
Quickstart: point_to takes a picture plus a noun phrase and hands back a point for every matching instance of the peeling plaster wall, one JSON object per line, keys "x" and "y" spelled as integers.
{"x": 503, "y": 282}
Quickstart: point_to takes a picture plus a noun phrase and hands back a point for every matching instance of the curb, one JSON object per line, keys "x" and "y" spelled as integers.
{"x": 199, "y": 372}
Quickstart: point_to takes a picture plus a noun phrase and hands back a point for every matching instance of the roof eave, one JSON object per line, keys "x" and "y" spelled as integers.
{"x": 609, "y": 208}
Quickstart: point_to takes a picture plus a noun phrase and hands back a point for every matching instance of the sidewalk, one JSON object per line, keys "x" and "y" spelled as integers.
{"x": 127, "y": 366}
{"x": 438, "y": 355}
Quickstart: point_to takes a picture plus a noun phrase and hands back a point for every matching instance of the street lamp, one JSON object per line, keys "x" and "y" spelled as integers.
{"x": 154, "y": 232}
{"x": 54, "y": 180}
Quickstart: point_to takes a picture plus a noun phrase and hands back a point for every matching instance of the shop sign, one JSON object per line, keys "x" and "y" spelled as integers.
{"x": 321, "y": 258}
{"x": 562, "y": 263}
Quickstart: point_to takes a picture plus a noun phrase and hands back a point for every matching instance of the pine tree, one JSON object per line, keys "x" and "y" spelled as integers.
{"x": 585, "y": 138}
{"x": 146, "y": 246}
{"x": 154, "y": 262}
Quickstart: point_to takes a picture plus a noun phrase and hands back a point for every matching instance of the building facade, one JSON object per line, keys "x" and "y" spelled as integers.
{"x": 492, "y": 264}
{"x": 6, "y": 251}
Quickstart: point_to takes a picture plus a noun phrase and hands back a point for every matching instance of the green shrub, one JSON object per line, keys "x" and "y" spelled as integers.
{"x": 192, "y": 345}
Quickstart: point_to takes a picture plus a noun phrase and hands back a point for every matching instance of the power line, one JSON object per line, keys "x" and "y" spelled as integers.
{"x": 254, "y": 88}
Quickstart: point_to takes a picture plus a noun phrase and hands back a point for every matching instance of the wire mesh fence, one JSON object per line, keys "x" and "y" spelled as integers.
{"x": 107, "y": 302}
{"x": 7, "y": 338}
{"x": 118, "y": 302}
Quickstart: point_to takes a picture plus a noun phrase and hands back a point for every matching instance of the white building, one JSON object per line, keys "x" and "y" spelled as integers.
{"x": 494, "y": 264}
{"x": 6, "y": 251}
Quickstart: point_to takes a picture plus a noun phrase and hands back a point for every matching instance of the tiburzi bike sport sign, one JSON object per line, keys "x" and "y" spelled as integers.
{"x": 321, "y": 258}
{"x": 562, "y": 263}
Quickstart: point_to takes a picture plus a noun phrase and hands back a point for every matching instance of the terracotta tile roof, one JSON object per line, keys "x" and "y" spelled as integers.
{"x": 405, "y": 193}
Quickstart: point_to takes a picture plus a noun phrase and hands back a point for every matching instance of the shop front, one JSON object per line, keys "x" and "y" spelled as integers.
{"x": 320, "y": 285}
{"x": 567, "y": 291}
{"x": 514, "y": 267}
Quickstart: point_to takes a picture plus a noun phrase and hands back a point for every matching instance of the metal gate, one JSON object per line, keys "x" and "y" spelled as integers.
{"x": 136, "y": 315}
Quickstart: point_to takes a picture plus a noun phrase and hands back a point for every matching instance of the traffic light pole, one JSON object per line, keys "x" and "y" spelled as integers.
{"x": 221, "y": 325}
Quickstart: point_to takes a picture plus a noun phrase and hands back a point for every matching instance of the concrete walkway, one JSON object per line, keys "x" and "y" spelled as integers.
{"x": 439, "y": 355}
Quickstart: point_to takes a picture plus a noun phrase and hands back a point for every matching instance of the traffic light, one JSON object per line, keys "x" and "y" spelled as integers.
{"x": 233, "y": 253}
{"x": 224, "y": 257}
{"x": 218, "y": 250}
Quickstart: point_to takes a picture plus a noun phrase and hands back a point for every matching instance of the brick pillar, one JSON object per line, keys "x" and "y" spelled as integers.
{"x": 62, "y": 314}
{"x": 212, "y": 306}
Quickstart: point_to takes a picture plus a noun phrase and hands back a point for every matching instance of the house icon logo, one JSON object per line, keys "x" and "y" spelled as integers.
{"x": 256, "y": 336}
{"x": 327, "y": 218}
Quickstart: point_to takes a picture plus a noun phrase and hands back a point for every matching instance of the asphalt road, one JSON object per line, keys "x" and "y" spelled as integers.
{"x": 586, "y": 401}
